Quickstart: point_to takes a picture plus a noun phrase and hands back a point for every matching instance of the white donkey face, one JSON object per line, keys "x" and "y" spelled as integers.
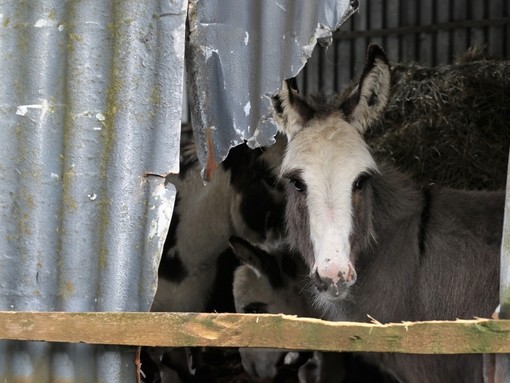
{"x": 329, "y": 166}
{"x": 326, "y": 177}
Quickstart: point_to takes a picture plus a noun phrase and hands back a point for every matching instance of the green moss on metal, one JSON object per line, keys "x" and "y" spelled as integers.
{"x": 68, "y": 289}
{"x": 24, "y": 222}
{"x": 72, "y": 40}
{"x": 108, "y": 140}
{"x": 108, "y": 135}
{"x": 155, "y": 98}
{"x": 115, "y": 28}
{"x": 69, "y": 202}
{"x": 74, "y": 37}
{"x": 24, "y": 227}
{"x": 104, "y": 221}
{"x": 52, "y": 15}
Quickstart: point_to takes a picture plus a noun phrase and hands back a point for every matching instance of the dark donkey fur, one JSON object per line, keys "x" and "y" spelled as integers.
{"x": 411, "y": 253}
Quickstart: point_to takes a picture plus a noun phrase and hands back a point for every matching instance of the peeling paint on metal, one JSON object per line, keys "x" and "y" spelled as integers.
{"x": 247, "y": 108}
{"x": 242, "y": 58}
{"x": 208, "y": 52}
{"x": 45, "y": 22}
{"x": 163, "y": 199}
{"x": 21, "y": 110}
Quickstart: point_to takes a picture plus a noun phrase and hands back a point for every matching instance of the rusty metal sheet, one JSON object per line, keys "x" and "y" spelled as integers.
{"x": 239, "y": 53}
{"x": 90, "y": 106}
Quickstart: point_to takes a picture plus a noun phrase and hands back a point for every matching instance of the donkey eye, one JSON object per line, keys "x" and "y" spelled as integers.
{"x": 360, "y": 182}
{"x": 298, "y": 184}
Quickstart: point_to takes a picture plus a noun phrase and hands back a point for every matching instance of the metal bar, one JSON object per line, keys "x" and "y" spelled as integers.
{"x": 422, "y": 29}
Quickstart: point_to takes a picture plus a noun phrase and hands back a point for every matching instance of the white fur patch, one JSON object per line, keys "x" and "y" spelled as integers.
{"x": 330, "y": 155}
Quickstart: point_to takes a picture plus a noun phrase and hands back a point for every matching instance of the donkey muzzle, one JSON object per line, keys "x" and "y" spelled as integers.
{"x": 336, "y": 285}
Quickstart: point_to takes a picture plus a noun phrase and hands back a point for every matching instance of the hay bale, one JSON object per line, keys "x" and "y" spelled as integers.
{"x": 448, "y": 124}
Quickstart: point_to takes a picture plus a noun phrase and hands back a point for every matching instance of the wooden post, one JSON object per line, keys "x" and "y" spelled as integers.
{"x": 497, "y": 367}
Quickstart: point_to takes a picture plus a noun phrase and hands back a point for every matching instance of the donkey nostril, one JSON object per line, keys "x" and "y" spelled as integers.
{"x": 318, "y": 281}
{"x": 351, "y": 275}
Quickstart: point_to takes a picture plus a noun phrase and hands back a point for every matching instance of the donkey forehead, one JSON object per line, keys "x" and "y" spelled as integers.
{"x": 328, "y": 147}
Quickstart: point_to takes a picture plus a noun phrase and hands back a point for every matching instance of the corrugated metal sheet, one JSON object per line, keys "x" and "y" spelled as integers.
{"x": 239, "y": 53}
{"x": 90, "y": 106}
{"x": 90, "y": 102}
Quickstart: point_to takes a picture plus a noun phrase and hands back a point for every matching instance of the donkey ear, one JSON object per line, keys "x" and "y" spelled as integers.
{"x": 245, "y": 252}
{"x": 291, "y": 112}
{"x": 262, "y": 262}
{"x": 368, "y": 100}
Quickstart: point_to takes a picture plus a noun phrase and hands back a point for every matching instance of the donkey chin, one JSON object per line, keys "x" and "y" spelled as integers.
{"x": 327, "y": 290}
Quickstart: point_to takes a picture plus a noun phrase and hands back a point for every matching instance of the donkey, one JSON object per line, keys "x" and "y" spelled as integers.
{"x": 374, "y": 243}
{"x": 241, "y": 199}
{"x": 276, "y": 283}
{"x": 197, "y": 265}
{"x": 268, "y": 283}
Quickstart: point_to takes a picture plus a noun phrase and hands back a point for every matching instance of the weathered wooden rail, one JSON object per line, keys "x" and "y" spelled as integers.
{"x": 251, "y": 330}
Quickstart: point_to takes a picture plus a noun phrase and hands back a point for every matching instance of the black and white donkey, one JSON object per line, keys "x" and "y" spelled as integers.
{"x": 375, "y": 244}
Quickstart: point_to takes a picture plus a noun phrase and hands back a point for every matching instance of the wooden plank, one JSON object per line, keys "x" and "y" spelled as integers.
{"x": 253, "y": 330}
